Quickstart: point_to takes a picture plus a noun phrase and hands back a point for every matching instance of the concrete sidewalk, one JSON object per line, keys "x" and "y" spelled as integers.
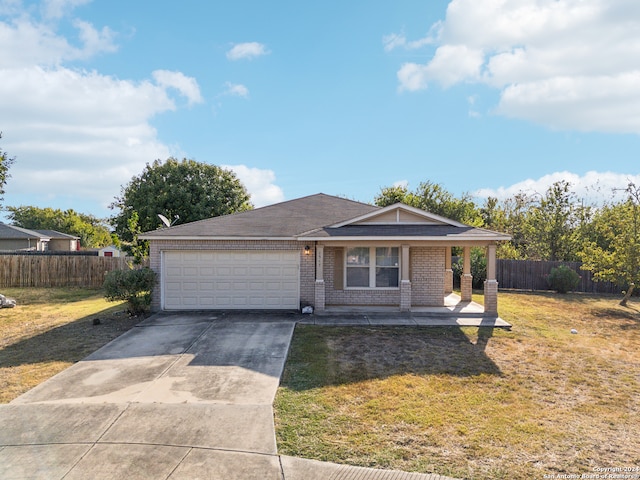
{"x": 178, "y": 397}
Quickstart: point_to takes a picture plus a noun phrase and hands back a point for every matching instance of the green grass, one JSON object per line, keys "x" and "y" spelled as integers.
{"x": 471, "y": 403}
{"x": 49, "y": 330}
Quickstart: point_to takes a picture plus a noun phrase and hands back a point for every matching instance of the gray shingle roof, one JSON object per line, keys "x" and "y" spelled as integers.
{"x": 12, "y": 232}
{"x": 281, "y": 220}
{"x": 54, "y": 234}
{"x": 407, "y": 231}
{"x": 312, "y": 218}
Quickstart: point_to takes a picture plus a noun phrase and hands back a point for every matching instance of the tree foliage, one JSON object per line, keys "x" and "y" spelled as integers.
{"x": 183, "y": 189}
{"x": 552, "y": 224}
{"x": 613, "y": 254}
{"x": 433, "y": 198}
{"x": 5, "y": 163}
{"x": 93, "y": 232}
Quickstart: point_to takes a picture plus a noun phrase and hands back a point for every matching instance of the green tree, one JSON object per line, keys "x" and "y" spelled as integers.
{"x": 5, "y": 163}
{"x": 552, "y": 224}
{"x": 93, "y": 232}
{"x": 506, "y": 217}
{"x": 433, "y": 198}
{"x": 614, "y": 252}
{"x": 138, "y": 249}
{"x": 183, "y": 189}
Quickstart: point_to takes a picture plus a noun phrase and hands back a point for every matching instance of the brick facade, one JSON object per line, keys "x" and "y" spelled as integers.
{"x": 363, "y": 296}
{"x": 427, "y": 282}
{"x": 427, "y": 276}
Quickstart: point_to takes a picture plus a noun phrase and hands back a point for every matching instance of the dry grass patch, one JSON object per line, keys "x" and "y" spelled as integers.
{"x": 49, "y": 330}
{"x": 471, "y": 403}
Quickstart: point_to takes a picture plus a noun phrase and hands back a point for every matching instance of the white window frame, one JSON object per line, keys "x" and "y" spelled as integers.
{"x": 372, "y": 267}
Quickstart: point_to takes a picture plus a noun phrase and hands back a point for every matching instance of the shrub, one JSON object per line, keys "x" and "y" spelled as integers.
{"x": 563, "y": 279}
{"x": 134, "y": 286}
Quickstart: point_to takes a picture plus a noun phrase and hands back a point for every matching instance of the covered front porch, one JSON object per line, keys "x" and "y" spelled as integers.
{"x": 424, "y": 282}
{"x": 454, "y": 313}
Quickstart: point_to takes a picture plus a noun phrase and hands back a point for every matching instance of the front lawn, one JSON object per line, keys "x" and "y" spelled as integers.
{"x": 471, "y": 403}
{"x": 49, "y": 330}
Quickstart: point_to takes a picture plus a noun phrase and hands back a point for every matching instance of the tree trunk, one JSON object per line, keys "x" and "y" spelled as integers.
{"x": 627, "y": 295}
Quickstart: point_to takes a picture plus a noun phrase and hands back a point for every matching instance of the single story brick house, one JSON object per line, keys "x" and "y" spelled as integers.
{"x": 318, "y": 251}
{"x": 14, "y": 238}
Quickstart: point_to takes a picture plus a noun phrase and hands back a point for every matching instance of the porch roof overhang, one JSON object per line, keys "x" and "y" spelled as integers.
{"x": 442, "y": 234}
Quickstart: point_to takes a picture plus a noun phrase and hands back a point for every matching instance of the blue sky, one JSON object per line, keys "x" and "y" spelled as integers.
{"x": 487, "y": 97}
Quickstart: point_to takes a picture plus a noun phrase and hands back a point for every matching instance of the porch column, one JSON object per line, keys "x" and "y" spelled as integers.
{"x": 491, "y": 283}
{"x": 448, "y": 272}
{"x": 319, "y": 286}
{"x": 405, "y": 282}
{"x": 466, "y": 281}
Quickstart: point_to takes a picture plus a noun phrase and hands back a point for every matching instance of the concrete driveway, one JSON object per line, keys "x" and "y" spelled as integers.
{"x": 178, "y": 397}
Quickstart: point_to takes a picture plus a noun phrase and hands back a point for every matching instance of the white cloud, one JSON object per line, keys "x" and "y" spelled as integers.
{"x": 399, "y": 40}
{"x": 25, "y": 41}
{"x": 78, "y": 132}
{"x": 187, "y": 86}
{"x": 592, "y": 187}
{"x": 247, "y": 50}
{"x": 58, "y": 8}
{"x": 393, "y": 41}
{"x": 77, "y": 135}
{"x": 565, "y": 63}
{"x": 259, "y": 183}
{"x": 401, "y": 183}
{"x": 236, "y": 90}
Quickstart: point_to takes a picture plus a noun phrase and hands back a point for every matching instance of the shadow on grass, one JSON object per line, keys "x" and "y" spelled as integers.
{"x": 322, "y": 356}
{"x": 70, "y": 342}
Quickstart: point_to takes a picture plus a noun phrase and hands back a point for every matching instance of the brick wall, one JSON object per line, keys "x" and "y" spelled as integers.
{"x": 307, "y": 262}
{"x": 427, "y": 276}
{"x": 353, "y": 297}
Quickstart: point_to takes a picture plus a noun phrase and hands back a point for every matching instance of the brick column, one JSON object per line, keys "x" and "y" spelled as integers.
{"x": 491, "y": 297}
{"x": 466, "y": 281}
{"x": 405, "y": 282}
{"x": 491, "y": 284}
{"x": 319, "y": 303}
{"x": 448, "y": 272}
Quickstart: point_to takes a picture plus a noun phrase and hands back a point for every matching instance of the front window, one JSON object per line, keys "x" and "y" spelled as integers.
{"x": 373, "y": 267}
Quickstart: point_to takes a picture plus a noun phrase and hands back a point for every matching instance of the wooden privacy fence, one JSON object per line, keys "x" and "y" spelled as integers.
{"x": 57, "y": 270}
{"x": 532, "y": 275}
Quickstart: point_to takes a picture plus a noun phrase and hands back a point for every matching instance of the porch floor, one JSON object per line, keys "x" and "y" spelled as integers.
{"x": 454, "y": 313}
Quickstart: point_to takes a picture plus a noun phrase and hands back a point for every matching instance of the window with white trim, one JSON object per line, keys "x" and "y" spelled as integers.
{"x": 372, "y": 267}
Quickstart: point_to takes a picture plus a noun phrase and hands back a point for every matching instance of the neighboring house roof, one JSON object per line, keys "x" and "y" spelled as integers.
{"x": 325, "y": 217}
{"x": 55, "y": 235}
{"x": 12, "y": 232}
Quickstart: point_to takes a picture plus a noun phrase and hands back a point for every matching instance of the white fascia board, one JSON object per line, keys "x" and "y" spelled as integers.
{"x": 453, "y": 238}
{"x": 200, "y": 238}
{"x": 400, "y": 206}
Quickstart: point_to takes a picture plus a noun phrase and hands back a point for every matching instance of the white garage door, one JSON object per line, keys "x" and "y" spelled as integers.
{"x": 200, "y": 280}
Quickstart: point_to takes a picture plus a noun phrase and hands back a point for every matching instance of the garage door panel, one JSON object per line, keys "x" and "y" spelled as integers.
{"x": 230, "y": 279}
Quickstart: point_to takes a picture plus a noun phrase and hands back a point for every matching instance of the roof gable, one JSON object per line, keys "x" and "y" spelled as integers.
{"x": 399, "y": 214}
